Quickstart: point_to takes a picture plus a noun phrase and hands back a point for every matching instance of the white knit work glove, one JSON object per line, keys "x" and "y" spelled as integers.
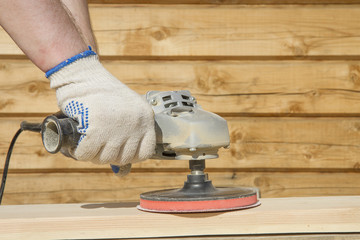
{"x": 117, "y": 124}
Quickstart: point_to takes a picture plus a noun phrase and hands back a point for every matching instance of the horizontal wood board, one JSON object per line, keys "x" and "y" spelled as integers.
{"x": 90, "y": 221}
{"x": 218, "y": 31}
{"x": 228, "y": 87}
{"x": 42, "y": 188}
{"x": 321, "y": 236}
{"x": 290, "y": 144}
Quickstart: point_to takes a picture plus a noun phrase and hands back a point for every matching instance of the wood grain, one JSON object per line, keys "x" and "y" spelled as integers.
{"x": 285, "y": 74}
{"x": 246, "y": 87}
{"x": 231, "y": 2}
{"x": 227, "y": 30}
{"x": 93, "y": 221}
{"x": 45, "y": 188}
{"x": 290, "y": 144}
{"x": 324, "y": 236}
{"x": 217, "y": 31}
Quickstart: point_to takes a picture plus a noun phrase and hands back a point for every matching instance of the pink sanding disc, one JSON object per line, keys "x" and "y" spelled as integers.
{"x": 246, "y": 198}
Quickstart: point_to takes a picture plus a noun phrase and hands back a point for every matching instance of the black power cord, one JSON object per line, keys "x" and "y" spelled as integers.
{"x": 7, "y": 161}
{"x": 24, "y": 126}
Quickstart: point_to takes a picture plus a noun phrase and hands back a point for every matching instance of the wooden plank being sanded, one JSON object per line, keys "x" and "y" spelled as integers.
{"x": 123, "y": 220}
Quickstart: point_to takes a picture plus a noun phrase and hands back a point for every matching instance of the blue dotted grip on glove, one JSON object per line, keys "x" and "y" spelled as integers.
{"x": 77, "y": 111}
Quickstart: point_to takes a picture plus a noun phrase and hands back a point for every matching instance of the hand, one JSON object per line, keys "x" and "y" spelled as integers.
{"x": 117, "y": 124}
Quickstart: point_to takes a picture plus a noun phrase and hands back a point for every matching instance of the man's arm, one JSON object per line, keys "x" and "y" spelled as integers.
{"x": 42, "y": 29}
{"x": 115, "y": 123}
{"x": 79, "y": 12}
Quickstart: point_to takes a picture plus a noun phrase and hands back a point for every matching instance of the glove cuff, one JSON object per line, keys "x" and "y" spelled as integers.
{"x": 69, "y": 61}
{"x": 84, "y": 71}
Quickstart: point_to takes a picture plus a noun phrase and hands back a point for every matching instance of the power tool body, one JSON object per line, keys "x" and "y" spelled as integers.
{"x": 184, "y": 131}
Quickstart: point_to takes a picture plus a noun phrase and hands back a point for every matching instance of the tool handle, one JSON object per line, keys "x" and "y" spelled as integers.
{"x": 59, "y": 133}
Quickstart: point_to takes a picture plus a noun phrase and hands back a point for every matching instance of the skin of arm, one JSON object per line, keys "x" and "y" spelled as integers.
{"x": 42, "y": 29}
{"x": 49, "y": 33}
{"x": 79, "y": 12}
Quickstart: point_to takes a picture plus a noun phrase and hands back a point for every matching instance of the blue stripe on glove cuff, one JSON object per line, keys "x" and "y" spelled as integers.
{"x": 68, "y": 61}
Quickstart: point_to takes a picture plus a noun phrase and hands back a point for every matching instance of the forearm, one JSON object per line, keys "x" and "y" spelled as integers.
{"x": 42, "y": 29}
{"x": 79, "y": 12}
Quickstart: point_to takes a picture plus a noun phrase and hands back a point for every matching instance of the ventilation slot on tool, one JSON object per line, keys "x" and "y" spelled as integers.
{"x": 166, "y": 98}
{"x": 172, "y": 104}
{"x": 169, "y": 154}
{"x": 188, "y": 104}
{"x": 185, "y": 97}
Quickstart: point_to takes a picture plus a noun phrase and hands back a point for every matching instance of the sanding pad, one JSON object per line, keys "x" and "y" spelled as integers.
{"x": 184, "y": 201}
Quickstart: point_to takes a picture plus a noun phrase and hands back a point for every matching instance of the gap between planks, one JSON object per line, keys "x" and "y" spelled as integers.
{"x": 209, "y": 58}
{"x": 183, "y": 171}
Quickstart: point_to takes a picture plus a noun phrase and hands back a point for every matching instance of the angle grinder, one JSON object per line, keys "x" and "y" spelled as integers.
{"x": 184, "y": 131}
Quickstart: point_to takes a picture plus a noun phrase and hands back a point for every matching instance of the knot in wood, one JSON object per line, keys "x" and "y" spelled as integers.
{"x": 308, "y": 156}
{"x": 37, "y": 87}
{"x": 202, "y": 83}
{"x": 41, "y": 153}
{"x": 299, "y": 48}
{"x": 298, "y": 51}
{"x": 354, "y": 73}
{"x": 295, "y": 107}
{"x": 217, "y": 82}
{"x": 161, "y": 34}
{"x": 32, "y": 88}
{"x": 357, "y": 166}
{"x": 3, "y": 67}
{"x": 356, "y": 127}
{"x": 262, "y": 181}
{"x": 236, "y": 135}
{"x": 314, "y": 93}
{"x": 236, "y": 153}
{"x": 355, "y": 78}
{"x": 6, "y": 103}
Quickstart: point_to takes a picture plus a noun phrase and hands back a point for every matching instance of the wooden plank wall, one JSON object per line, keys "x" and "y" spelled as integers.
{"x": 284, "y": 73}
